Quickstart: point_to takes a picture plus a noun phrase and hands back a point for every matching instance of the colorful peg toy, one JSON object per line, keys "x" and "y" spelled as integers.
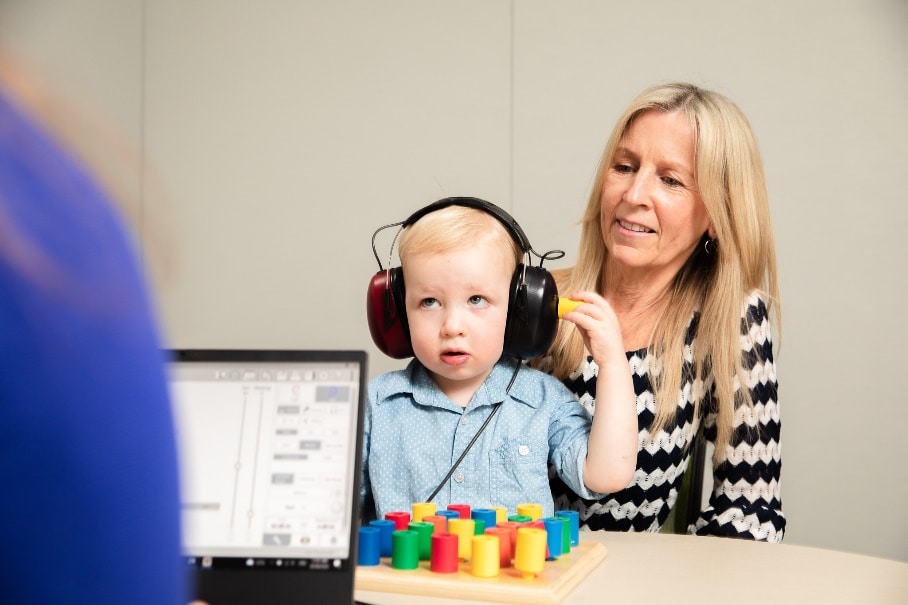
{"x": 485, "y": 539}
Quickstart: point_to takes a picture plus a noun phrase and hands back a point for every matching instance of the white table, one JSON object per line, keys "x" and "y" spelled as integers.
{"x": 653, "y": 568}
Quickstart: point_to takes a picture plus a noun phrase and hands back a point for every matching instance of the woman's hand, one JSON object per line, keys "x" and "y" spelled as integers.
{"x": 599, "y": 328}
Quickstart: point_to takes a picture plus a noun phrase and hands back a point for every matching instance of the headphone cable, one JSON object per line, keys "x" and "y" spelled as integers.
{"x": 476, "y": 436}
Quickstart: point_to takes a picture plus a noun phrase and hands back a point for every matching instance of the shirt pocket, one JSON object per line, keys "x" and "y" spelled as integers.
{"x": 519, "y": 474}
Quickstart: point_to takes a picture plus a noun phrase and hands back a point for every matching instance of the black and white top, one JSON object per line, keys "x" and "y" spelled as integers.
{"x": 745, "y": 501}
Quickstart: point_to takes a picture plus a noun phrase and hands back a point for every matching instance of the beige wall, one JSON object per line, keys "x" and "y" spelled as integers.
{"x": 284, "y": 133}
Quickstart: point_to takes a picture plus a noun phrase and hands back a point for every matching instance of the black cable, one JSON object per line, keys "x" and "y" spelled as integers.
{"x": 475, "y": 437}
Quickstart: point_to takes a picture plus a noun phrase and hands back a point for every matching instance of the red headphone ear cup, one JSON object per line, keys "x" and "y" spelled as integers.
{"x": 386, "y": 315}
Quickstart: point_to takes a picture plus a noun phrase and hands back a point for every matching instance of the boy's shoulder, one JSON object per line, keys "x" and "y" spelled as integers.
{"x": 401, "y": 376}
{"x": 395, "y": 382}
{"x": 531, "y": 374}
{"x": 536, "y": 388}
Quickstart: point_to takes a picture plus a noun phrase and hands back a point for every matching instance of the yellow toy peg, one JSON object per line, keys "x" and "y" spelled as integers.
{"x": 566, "y": 305}
{"x": 529, "y": 557}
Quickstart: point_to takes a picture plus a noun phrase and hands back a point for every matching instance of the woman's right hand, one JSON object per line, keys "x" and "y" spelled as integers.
{"x": 599, "y": 328}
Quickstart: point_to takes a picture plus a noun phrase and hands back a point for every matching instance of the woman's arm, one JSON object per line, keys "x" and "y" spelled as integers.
{"x": 612, "y": 449}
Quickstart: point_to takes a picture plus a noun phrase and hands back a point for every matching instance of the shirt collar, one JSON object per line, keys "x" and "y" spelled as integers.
{"x": 493, "y": 390}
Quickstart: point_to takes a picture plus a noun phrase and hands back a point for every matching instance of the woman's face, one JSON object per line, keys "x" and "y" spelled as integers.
{"x": 651, "y": 211}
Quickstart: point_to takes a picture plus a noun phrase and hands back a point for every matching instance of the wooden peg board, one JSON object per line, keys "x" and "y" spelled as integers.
{"x": 558, "y": 578}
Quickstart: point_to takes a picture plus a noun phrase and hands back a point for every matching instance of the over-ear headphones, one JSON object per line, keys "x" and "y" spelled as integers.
{"x": 532, "y": 307}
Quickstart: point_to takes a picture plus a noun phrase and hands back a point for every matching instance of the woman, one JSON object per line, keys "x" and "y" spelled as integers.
{"x": 677, "y": 239}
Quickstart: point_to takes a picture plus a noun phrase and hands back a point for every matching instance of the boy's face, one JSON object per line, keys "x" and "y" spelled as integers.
{"x": 457, "y": 307}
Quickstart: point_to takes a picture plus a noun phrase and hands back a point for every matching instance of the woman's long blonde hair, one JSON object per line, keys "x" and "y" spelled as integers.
{"x": 733, "y": 188}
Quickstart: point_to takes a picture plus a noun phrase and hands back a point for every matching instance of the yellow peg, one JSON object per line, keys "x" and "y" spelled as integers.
{"x": 486, "y": 556}
{"x": 464, "y": 529}
{"x": 566, "y": 305}
{"x": 529, "y": 557}
{"x": 423, "y": 509}
{"x": 531, "y": 510}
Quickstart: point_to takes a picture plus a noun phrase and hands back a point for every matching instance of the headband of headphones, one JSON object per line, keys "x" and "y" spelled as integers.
{"x": 474, "y": 202}
{"x": 532, "y": 306}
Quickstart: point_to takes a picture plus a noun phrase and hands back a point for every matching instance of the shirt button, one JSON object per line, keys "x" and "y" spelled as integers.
{"x": 458, "y": 477}
{"x": 523, "y": 450}
{"x": 464, "y": 420}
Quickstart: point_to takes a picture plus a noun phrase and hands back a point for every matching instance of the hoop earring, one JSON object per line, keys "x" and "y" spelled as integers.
{"x": 710, "y": 246}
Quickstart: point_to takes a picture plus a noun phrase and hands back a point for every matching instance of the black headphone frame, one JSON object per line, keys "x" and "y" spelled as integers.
{"x": 532, "y": 318}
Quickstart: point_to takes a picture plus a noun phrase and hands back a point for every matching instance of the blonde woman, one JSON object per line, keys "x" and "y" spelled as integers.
{"x": 677, "y": 239}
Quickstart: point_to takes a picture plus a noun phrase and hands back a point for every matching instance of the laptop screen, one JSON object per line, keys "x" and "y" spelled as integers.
{"x": 269, "y": 445}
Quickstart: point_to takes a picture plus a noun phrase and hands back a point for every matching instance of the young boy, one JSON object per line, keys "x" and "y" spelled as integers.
{"x": 457, "y": 264}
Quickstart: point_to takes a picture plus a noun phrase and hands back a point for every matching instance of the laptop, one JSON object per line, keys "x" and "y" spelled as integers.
{"x": 270, "y": 448}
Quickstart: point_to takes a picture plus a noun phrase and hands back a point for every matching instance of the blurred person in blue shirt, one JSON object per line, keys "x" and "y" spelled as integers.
{"x": 88, "y": 462}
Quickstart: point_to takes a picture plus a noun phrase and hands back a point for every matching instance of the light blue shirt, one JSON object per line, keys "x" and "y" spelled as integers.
{"x": 414, "y": 434}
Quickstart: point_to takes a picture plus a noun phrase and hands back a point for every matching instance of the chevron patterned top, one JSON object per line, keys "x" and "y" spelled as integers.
{"x": 745, "y": 501}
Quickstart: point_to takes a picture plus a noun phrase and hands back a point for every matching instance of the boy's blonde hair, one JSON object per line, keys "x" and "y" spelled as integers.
{"x": 452, "y": 227}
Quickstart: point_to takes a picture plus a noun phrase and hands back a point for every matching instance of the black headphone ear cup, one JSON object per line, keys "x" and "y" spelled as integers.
{"x": 386, "y": 314}
{"x": 532, "y": 313}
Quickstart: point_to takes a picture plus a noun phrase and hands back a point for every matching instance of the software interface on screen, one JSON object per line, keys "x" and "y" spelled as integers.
{"x": 266, "y": 454}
